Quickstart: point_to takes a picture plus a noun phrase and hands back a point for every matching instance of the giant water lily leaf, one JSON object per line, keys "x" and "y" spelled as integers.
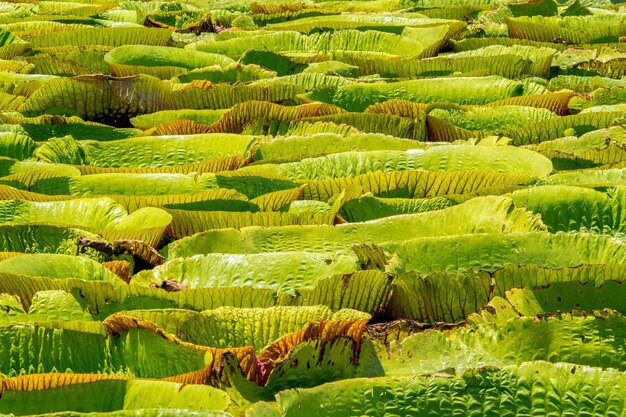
{"x": 179, "y": 127}
{"x": 11, "y": 45}
{"x": 231, "y": 327}
{"x": 269, "y": 361}
{"x": 415, "y": 184}
{"x": 43, "y": 127}
{"x": 146, "y": 152}
{"x": 541, "y": 58}
{"x": 320, "y": 43}
{"x": 123, "y": 268}
{"x": 590, "y": 178}
{"x": 344, "y": 165}
{"x": 566, "y": 208}
{"x": 58, "y": 266}
{"x": 31, "y": 169}
{"x": 119, "y": 349}
{"x": 102, "y": 298}
{"x": 295, "y": 147}
{"x": 599, "y": 99}
{"x": 310, "y": 206}
{"x": 200, "y": 94}
{"x": 486, "y": 120}
{"x": 369, "y": 208}
{"x": 611, "y": 155}
{"x": 27, "y": 179}
{"x": 463, "y": 218}
{"x": 232, "y": 73}
{"x": 46, "y": 306}
{"x": 595, "y": 139}
{"x": 146, "y": 224}
{"x": 7, "y": 165}
{"x": 333, "y": 68}
{"x": 10, "y": 102}
{"x": 129, "y": 350}
{"x": 491, "y": 388}
{"x": 127, "y": 339}
{"x": 49, "y": 392}
{"x": 70, "y": 60}
{"x": 23, "y": 84}
{"x": 370, "y": 123}
{"x": 160, "y": 61}
{"x": 276, "y": 200}
{"x": 104, "y": 36}
{"x": 452, "y": 158}
{"x": 282, "y": 63}
{"x": 400, "y": 107}
{"x": 509, "y": 62}
{"x": 227, "y": 163}
{"x": 347, "y": 6}
{"x": 301, "y": 128}
{"x": 24, "y": 168}
{"x": 302, "y": 359}
{"x": 40, "y": 238}
{"x": 509, "y": 66}
{"x": 100, "y": 215}
{"x": 308, "y": 81}
{"x": 251, "y": 185}
{"x": 207, "y": 117}
{"x": 595, "y": 148}
{"x": 254, "y": 184}
{"x": 612, "y": 68}
{"x": 70, "y": 8}
{"x": 143, "y": 255}
{"x": 499, "y": 345}
{"x": 554, "y": 128}
{"x": 138, "y": 189}
{"x": 80, "y": 212}
{"x": 574, "y": 29}
{"x": 86, "y": 347}
{"x": 236, "y": 119}
{"x": 188, "y": 222}
{"x": 308, "y": 364}
{"x": 29, "y": 29}
{"x": 98, "y": 98}
{"x": 83, "y": 348}
{"x": 179, "y": 18}
{"x": 567, "y": 295}
{"x": 582, "y": 84}
{"x": 214, "y": 199}
{"x": 366, "y": 291}
{"x": 127, "y": 184}
{"x": 280, "y": 271}
{"x": 16, "y": 145}
{"x": 493, "y": 251}
{"x": 555, "y": 102}
{"x": 523, "y": 302}
{"x": 11, "y": 304}
{"x": 384, "y": 23}
{"x": 215, "y": 358}
{"x": 538, "y": 8}
{"x": 482, "y": 90}
{"x": 462, "y": 293}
